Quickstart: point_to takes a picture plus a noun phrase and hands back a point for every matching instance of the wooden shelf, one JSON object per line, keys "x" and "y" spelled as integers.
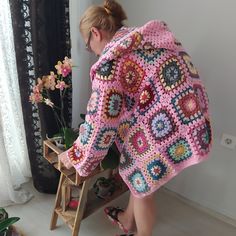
{"x": 93, "y": 204}
{"x": 68, "y": 219}
{"x": 88, "y": 201}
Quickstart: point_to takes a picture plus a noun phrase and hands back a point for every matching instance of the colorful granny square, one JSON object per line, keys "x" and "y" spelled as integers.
{"x": 171, "y": 73}
{"x": 126, "y": 161}
{"x": 192, "y": 70}
{"x": 129, "y": 102}
{"x": 149, "y": 53}
{"x": 85, "y": 132}
{"x": 202, "y": 97}
{"x": 138, "y": 181}
{"x": 105, "y": 138}
{"x": 129, "y": 43}
{"x": 201, "y": 137}
{"x": 113, "y": 104}
{"x": 179, "y": 151}
{"x": 75, "y": 155}
{"x": 106, "y": 71}
{"x": 147, "y": 98}
{"x": 187, "y": 106}
{"x": 162, "y": 125}
{"x": 93, "y": 102}
{"x": 139, "y": 142}
{"x": 131, "y": 76}
{"x": 157, "y": 169}
{"x": 123, "y": 130}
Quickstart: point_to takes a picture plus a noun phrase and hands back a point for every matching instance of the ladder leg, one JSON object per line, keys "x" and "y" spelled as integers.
{"x": 57, "y": 203}
{"x": 81, "y": 207}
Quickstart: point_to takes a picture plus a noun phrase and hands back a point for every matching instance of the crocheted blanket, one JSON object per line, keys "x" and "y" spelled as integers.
{"x": 148, "y": 98}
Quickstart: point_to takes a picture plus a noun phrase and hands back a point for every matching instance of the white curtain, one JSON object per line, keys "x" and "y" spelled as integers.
{"x": 14, "y": 160}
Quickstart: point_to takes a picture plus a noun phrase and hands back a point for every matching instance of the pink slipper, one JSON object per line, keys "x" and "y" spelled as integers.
{"x": 112, "y": 215}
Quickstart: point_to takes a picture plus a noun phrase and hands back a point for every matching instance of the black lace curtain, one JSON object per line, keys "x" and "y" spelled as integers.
{"x": 41, "y": 37}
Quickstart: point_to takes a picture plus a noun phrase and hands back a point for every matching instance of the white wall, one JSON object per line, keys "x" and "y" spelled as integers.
{"x": 81, "y": 59}
{"x": 207, "y": 30}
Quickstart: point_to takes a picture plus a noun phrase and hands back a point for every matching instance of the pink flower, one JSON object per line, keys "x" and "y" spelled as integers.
{"x": 64, "y": 68}
{"x": 36, "y": 97}
{"x": 48, "y": 102}
{"x": 58, "y": 67}
{"x": 61, "y": 85}
{"x": 49, "y": 81}
{"x": 36, "y": 89}
{"x": 67, "y": 61}
{"x": 40, "y": 85}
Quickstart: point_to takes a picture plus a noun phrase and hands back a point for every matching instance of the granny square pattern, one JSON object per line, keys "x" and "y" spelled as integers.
{"x": 150, "y": 54}
{"x": 162, "y": 125}
{"x": 139, "y": 142}
{"x": 123, "y": 130}
{"x": 201, "y": 137}
{"x": 106, "y": 71}
{"x": 131, "y": 76}
{"x": 129, "y": 102}
{"x": 202, "y": 97}
{"x": 156, "y": 169}
{"x": 191, "y": 68}
{"x": 148, "y": 97}
{"x": 86, "y": 130}
{"x": 105, "y": 138}
{"x": 187, "y": 106}
{"x": 138, "y": 182}
{"x": 92, "y": 106}
{"x": 179, "y": 151}
{"x": 171, "y": 73}
{"x": 113, "y": 104}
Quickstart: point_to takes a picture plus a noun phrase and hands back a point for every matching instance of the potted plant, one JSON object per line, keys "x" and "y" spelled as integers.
{"x": 41, "y": 94}
{"x": 6, "y": 223}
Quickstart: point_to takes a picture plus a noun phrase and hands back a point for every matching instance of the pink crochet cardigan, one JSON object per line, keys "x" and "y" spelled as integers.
{"x": 147, "y": 97}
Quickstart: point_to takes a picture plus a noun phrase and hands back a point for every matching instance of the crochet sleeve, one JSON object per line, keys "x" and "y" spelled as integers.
{"x": 99, "y": 130}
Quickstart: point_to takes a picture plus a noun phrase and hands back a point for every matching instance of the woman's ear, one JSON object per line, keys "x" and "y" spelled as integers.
{"x": 97, "y": 34}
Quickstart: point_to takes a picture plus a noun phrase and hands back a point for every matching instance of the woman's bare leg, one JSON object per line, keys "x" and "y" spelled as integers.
{"x": 145, "y": 215}
{"x": 127, "y": 217}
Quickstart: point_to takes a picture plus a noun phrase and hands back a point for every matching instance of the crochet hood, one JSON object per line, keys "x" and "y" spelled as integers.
{"x": 154, "y": 34}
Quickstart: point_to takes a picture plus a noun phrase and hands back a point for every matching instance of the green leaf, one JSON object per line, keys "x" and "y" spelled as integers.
{"x": 70, "y": 136}
{"x": 82, "y": 116}
{"x": 8, "y": 222}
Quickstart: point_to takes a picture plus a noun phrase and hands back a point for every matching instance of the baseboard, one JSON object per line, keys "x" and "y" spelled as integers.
{"x": 209, "y": 211}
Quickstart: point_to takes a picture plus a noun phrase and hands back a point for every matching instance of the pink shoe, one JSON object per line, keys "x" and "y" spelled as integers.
{"x": 112, "y": 215}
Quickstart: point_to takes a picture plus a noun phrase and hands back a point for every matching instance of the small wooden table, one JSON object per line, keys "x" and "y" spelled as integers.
{"x": 88, "y": 201}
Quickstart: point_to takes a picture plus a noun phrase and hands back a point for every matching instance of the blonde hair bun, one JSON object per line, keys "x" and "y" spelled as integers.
{"x": 108, "y": 17}
{"x": 114, "y": 9}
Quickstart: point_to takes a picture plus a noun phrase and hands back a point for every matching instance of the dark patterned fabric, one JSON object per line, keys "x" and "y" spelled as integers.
{"x": 41, "y": 37}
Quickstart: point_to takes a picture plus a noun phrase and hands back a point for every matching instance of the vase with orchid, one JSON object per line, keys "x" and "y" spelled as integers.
{"x": 41, "y": 94}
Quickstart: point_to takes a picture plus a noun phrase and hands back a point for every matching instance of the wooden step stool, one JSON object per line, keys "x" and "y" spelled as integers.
{"x": 88, "y": 201}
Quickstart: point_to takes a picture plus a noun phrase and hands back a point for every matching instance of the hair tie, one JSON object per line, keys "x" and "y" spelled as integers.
{"x": 107, "y": 11}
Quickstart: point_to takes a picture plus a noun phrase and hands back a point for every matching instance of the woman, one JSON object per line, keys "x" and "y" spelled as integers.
{"x": 147, "y": 97}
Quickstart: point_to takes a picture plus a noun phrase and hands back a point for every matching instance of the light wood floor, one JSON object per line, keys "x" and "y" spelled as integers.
{"x": 174, "y": 218}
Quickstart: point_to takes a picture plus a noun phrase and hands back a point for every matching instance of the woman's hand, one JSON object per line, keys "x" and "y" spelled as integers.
{"x": 65, "y": 160}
